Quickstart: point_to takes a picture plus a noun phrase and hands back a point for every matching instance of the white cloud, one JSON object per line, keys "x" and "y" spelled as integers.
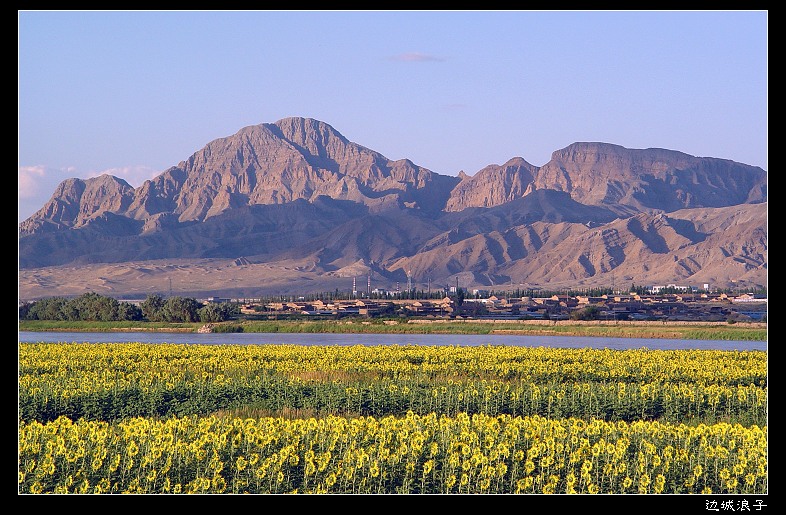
{"x": 36, "y": 184}
{"x": 416, "y": 57}
{"x": 133, "y": 175}
{"x": 29, "y": 179}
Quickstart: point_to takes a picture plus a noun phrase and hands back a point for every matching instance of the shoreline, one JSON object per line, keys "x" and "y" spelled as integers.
{"x": 752, "y": 331}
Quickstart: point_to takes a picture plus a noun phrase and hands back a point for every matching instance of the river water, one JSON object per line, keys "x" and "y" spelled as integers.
{"x": 390, "y": 339}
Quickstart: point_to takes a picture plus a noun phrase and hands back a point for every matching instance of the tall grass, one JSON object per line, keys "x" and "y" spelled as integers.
{"x": 97, "y": 326}
{"x": 401, "y": 326}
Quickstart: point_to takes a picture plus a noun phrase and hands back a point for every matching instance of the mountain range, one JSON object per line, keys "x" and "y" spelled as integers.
{"x": 293, "y": 206}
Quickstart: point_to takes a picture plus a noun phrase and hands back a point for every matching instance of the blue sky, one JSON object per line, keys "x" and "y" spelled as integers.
{"x": 132, "y": 93}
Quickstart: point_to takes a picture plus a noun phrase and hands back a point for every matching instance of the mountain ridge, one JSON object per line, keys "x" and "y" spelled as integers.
{"x": 283, "y": 191}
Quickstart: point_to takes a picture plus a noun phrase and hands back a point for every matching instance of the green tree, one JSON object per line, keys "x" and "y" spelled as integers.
{"x": 152, "y": 308}
{"x": 386, "y": 310}
{"x": 88, "y": 306}
{"x": 218, "y": 312}
{"x": 49, "y": 308}
{"x": 181, "y": 309}
{"x": 24, "y": 310}
{"x": 128, "y": 311}
{"x": 587, "y": 313}
{"x": 476, "y": 309}
{"x": 94, "y": 307}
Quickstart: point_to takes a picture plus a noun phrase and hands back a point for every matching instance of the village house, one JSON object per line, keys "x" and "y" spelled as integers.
{"x": 415, "y": 307}
{"x": 749, "y": 297}
{"x": 583, "y": 300}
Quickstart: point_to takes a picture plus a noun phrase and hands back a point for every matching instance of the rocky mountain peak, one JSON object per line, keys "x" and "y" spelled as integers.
{"x": 75, "y": 201}
{"x": 298, "y": 193}
{"x": 308, "y": 132}
{"x": 494, "y": 185}
{"x": 646, "y": 179}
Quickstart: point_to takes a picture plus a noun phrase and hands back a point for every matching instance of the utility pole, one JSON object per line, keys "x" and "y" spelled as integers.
{"x": 612, "y": 281}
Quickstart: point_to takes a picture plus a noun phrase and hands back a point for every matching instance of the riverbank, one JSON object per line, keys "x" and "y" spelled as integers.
{"x": 619, "y": 329}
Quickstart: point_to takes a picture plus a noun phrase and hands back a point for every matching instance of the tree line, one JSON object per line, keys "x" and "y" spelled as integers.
{"x": 100, "y": 308}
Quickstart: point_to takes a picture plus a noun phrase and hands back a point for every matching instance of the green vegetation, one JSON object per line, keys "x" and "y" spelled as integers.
{"x": 123, "y": 326}
{"x": 588, "y": 313}
{"x": 96, "y": 313}
{"x": 92, "y": 307}
{"x": 675, "y": 330}
{"x": 113, "y": 381}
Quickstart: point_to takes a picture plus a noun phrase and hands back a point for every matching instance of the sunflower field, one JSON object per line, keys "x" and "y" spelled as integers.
{"x": 270, "y": 419}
